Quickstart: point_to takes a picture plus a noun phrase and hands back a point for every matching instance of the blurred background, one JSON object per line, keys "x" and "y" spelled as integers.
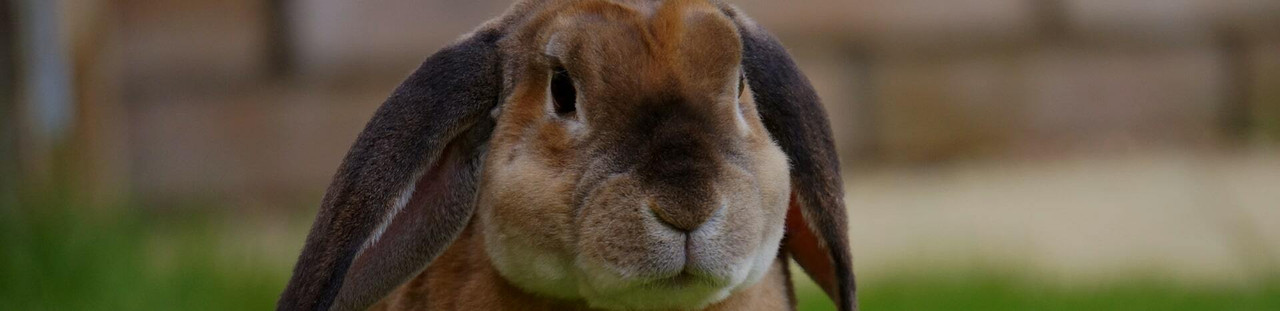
{"x": 998, "y": 154}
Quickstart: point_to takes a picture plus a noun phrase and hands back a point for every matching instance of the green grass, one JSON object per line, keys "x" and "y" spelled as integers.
{"x": 53, "y": 257}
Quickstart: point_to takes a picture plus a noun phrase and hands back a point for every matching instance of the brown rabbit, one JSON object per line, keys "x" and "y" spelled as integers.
{"x": 587, "y": 155}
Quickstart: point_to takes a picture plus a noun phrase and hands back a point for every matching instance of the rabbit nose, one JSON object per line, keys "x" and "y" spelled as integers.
{"x": 686, "y": 215}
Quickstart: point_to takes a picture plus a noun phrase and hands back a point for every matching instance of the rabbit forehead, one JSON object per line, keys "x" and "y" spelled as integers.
{"x": 641, "y": 46}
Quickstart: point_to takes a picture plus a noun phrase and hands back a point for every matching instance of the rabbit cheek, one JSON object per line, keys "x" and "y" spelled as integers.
{"x": 773, "y": 184}
{"x": 527, "y": 226}
{"x": 738, "y": 245}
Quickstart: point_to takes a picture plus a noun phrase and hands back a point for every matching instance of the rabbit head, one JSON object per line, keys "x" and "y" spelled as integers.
{"x": 629, "y": 166}
{"x": 630, "y": 154}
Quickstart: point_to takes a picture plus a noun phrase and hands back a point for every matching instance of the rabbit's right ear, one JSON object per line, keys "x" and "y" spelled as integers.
{"x": 407, "y": 187}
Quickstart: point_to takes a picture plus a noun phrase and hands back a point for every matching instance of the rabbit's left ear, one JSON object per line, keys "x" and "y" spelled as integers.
{"x": 817, "y": 234}
{"x": 407, "y": 187}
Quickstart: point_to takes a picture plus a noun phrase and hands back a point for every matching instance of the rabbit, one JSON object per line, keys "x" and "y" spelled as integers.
{"x": 587, "y": 155}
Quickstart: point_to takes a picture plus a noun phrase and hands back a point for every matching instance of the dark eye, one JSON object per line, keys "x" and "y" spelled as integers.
{"x": 562, "y": 91}
{"x": 742, "y": 77}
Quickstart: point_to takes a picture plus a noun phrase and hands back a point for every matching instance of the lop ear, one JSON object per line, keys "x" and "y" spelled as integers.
{"x": 406, "y": 188}
{"x": 816, "y": 224}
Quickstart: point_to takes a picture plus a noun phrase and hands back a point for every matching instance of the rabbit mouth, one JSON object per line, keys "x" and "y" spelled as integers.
{"x": 692, "y": 273}
{"x": 671, "y": 268}
{"x": 689, "y": 278}
{"x": 685, "y": 288}
{"x": 686, "y": 270}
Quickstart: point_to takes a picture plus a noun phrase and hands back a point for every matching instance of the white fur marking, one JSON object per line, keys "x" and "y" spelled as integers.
{"x": 405, "y": 196}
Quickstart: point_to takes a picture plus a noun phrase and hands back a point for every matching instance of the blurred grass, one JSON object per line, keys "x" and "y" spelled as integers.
{"x": 57, "y": 258}
{"x": 53, "y": 257}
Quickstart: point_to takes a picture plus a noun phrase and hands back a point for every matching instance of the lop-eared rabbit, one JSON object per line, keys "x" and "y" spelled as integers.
{"x": 587, "y": 155}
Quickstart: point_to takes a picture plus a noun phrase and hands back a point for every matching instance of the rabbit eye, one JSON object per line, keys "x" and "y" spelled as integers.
{"x": 742, "y": 77}
{"x": 562, "y": 92}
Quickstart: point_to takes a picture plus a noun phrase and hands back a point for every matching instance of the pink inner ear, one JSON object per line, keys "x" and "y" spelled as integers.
{"x": 808, "y": 251}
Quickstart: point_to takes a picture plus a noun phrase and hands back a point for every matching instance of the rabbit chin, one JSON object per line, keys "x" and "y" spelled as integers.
{"x": 674, "y": 276}
{"x": 612, "y": 288}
